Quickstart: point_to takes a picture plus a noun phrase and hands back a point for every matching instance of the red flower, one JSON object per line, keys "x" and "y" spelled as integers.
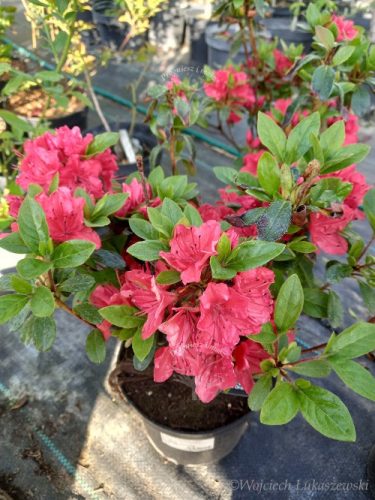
{"x": 345, "y": 27}
{"x": 64, "y": 214}
{"x": 144, "y": 293}
{"x": 248, "y": 356}
{"x": 325, "y": 231}
{"x": 216, "y": 374}
{"x": 191, "y": 248}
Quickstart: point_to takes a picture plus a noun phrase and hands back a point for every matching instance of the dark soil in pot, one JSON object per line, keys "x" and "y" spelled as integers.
{"x": 172, "y": 403}
{"x": 30, "y": 105}
{"x": 144, "y": 138}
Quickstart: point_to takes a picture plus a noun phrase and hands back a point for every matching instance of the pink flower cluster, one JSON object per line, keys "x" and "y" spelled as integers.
{"x": 231, "y": 89}
{"x": 345, "y": 27}
{"x": 63, "y": 153}
{"x": 205, "y": 322}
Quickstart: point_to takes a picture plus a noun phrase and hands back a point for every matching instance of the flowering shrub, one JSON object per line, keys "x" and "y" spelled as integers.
{"x": 211, "y": 292}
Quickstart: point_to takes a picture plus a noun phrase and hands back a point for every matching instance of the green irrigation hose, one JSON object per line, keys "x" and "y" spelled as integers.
{"x": 125, "y": 102}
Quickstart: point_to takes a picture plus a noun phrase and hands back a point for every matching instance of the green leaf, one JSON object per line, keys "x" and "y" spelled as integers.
{"x": 48, "y": 76}
{"x": 325, "y": 412}
{"x": 142, "y": 347}
{"x": 171, "y": 210}
{"x": 271, "y": 135}
{"x": 368, "y": 206}
{"x": 77, "y": 283}
{"x": 343, "y": 54}
{"x": 333, "y": 138}
{"x": 157, "y": 91}
{"x": 336, "y": 271}
{"x": 325, "y": 37}
{"x": 266, "y": 336}
{"x": 143, "y": 229}
{"x": 109, "y": 204}
{"x": 32, "y": 268}
{"x": 316, "y": 303}
{"x": 72, "y": 253}
{"x": 122, "y": 316}
{"x": 88, "y": 312}
{"x": 268, "y": 173}
{"x": 355, "y": 341}
{"x": 112, "y": 260}
{"x": 299, "y": 139}
{"x": 11, "y": 305}
{"x": 315, "y": 368}
{"x": 275, "y": 220}
{"x": 368, "y": 295}
{"x": 32, "y": 224}
{"x": 328, "y": 191}
{"x": 220, "y": 272}
{"x": 43, "y": 332}
{"x": 168, "y": 277}
{"x": 95, "y": 346}
{"x": 14, "y": 243}
{"x": 102, "y": 142}
{"x": 280, "y": 406}
{"x": 192, "y": 215}
{"x": 322, "y": 81}
{"x": 346, "y": 156}
{"x": 252, "y": 254}
{"x": 355, "y": 376}
{"x": 42, "y": 302}
{"x": 20, "y": 285}
{"x": 228, "y": 175}
{"x": 302, "y": 247}
{"x": 335, "y": 310}
{"x": 260, "y": 392}
{"x": 223, "y": 247}
{"x": 361, "y": 100}
{"x": 289, "y": 303}
{"x": 147, "y": 250}
{"x": 160, "y": 222}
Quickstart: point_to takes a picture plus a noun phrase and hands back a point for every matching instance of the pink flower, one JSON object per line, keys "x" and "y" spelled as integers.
{"x": 136, "y": 197}
{"x": 351, "y": 127}
{"x": 360, "y": 188}
{"x": 250, "y": 162}
{"x": 222, "y": 320}
{"x": 14, "y": 203}
{"x": 251, "y": 141}
{"x": 180, "y": 330}
{"x": 254, "y": 284}
{"x": 102, "y": 295}
{"x": 64, "y": 214}
{"x": 233, "y": 118}
{"x": 214, "y": 212}
{"x": 248, "y": 356}
{"x": 63, "y": 153}
{"x": 145, "y": 294}
{"x": 325, "y": 231}
{"x": 230, "y": 87}
{"x": 174, "y": 80}
{"x": 217, "y": 374}
{"x": 191, "y": 248}
{"x": 345, "y": 27}
{"x": 282, "y": 63}
{"x": 231, "y": 197}
{"x": 163, "y": 364}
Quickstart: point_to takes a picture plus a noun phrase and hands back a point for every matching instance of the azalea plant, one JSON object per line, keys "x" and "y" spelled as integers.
{"x": 210, "y": 294}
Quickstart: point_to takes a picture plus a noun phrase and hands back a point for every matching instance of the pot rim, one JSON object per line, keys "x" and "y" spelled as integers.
{"x": 188, "y": 433}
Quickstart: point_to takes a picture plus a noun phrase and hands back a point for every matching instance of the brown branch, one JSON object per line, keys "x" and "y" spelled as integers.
{"x": 315, "y": 348}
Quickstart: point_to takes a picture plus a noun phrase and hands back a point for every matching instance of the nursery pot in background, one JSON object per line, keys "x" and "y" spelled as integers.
{"x": 28, "y": 106}
{"x": 280, "y": 27}
{"x": 218, "y": 39}
{"x": 168, "y": 410}
{"x": 197, "y": 18}
{"x": 142, "y": 135}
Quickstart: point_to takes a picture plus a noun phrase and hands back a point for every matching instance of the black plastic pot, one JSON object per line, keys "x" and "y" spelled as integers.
{"x": 182, "y": 447}
{"x": 145, "y": 137}
{"x": 280, "y": 27}
{"x": 76, "y": 119}
{"x": 198, "y": 45}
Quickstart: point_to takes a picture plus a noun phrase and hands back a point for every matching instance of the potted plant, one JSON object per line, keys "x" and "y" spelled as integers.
{"x": 206, "y": 299}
